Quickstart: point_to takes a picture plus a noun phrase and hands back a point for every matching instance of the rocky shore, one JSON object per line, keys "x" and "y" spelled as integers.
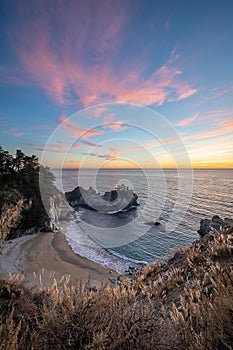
{"x": 214, "y": 224}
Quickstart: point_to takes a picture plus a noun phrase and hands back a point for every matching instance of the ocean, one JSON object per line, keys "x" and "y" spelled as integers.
{"x": 177, "y": 200}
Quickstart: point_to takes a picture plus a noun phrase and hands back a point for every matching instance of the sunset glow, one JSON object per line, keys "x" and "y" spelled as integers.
{"x": 59, "y": 58}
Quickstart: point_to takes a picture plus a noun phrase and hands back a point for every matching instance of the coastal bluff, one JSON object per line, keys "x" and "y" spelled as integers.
{"x": 22, "y": 210}
{"x": 163, "y": 305}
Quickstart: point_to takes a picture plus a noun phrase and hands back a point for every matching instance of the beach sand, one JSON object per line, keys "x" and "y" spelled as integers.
{"x": 41, "y": 257}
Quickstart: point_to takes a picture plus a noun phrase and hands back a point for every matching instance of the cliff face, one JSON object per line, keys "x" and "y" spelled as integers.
{"x": 11, "y": 217}
{"x": 21, "y": 214}
{"x": 22, "y": 210}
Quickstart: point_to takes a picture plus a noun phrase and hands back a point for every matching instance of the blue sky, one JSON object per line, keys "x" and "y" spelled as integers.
{"x": 59, "y": 57}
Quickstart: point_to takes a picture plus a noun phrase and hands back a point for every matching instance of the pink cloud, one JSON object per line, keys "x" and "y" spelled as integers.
{"x": 49, "y": 150}
{"x": 116, "y": 126}
{"x": 185, "y": 94}
{"x": 98, "y": 111}
{"x": 85, "y": 133}
{"x": 187, "y": 121}
{"x": 104, "y": 156}
{"x": 65, "y": 122}
{"x": 115, "y": 150}
{"x": 225, "y": 127}
{"x": 159, "y": 87}
{"x": 14, "y": 132}
{"x": 77, "y": 145}
{"x": 67, "y": 72}
{"x": 90, "y": 143}
{"x": 221, "y": 92}
{"x": 77, "y": 131}
{"x": 55, "y": 147}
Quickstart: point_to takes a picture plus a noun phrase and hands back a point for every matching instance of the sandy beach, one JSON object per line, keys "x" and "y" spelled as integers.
{"x": 41, "y": 257}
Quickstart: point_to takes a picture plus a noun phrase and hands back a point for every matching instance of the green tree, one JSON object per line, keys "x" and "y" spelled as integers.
{"x": 19, "y": 160}
{"x": 6, "y": 162}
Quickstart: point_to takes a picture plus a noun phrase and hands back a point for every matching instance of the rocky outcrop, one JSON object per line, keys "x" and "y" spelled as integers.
{"x": 19, "y": 216}
{"x": 23, "y": 184}
{"x": 118, "y": 199}
{"x": 215, "y": 224}
{"x": 58, "y": 211}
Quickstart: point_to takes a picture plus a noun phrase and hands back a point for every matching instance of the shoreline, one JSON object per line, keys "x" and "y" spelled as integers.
{"x": 41, "y": 257}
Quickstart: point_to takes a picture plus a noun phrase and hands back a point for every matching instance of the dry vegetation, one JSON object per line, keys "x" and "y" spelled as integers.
{"x": 186, "y": 303}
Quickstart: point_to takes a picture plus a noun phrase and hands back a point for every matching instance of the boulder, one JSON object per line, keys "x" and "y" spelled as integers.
{"x": 153, "y": 223}
{"x": 228, "y": 222}
{"x": 215, "y": 224}
{"x": 204, "y": 227}
{"x": 217, "y": 220}
{"x": 157, "y": 223}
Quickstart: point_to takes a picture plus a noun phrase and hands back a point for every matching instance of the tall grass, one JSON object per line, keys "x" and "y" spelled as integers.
{"x": 186, "y": 303}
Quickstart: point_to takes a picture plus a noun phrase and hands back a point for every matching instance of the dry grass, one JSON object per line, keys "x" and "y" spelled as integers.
{"x": 186, "y": 303}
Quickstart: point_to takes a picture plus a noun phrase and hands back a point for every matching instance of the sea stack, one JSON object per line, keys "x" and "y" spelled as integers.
{"x": 118, "y": 199}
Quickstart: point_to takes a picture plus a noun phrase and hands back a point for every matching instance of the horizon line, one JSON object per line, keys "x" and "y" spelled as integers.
{"x": 162, "y": 168}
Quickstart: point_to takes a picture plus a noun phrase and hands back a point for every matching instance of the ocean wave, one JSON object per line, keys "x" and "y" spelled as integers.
{"x": 82, "y": 245}
{"x": 131, "y": 260}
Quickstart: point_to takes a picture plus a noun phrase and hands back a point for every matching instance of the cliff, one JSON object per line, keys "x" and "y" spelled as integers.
{"x": 22, "y": 210}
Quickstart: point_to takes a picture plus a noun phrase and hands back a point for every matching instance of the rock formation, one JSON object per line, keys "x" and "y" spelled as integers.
{"x": 216, "y": 223}
{"x": 22, "y": 210}
{"x": 115, "y": 200}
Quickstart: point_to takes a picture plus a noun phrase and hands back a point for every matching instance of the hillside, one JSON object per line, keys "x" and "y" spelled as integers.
{"x": 185, "y": 303}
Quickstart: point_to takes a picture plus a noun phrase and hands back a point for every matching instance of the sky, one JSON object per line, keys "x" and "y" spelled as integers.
{"x": 118, "y": 83}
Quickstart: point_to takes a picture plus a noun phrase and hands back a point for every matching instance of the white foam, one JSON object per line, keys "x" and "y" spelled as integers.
{"x": 81, "y": 244}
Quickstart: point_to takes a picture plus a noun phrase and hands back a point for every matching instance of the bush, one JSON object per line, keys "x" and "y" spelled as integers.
{"x": 168, "y": 306}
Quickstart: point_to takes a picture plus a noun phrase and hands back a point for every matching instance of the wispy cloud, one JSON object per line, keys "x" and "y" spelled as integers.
{"x": 14, "y": 132}
{"x": 55, "y": 147}
{"x": 104, "y": 156}
{"x": 224, "y": 128}
{"x": 187, "y": 121}
{"x": 77, "y": 131}
{"x": 83, "y": 71}
{"x": 227, "y": 126}
{"x": 185, "y": 92}
{"x": 90, "y": 143}
{"x": 116, "y": 126}
{"x": 218, "y": 92}
{"x": 162, "y": 85}
{"x": 115, "y": 150}
{"x": 98, "y": 111}
{"x": 48, "y": 150}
